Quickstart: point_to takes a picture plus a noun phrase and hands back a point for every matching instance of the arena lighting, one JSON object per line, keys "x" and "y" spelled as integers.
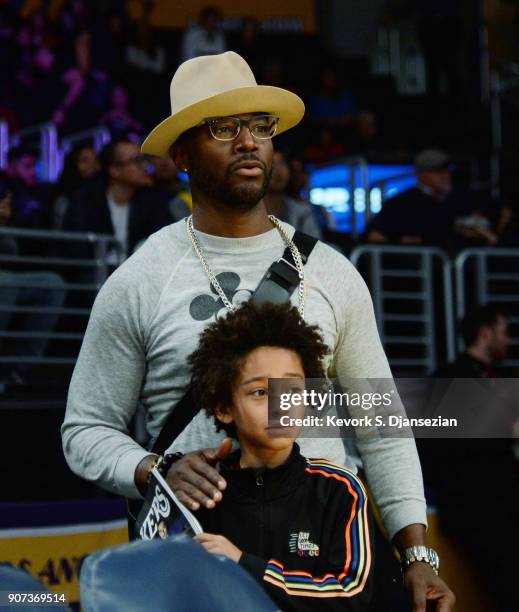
{"x": 375, "y": 200}
{"x": 4, "y": 144}
{"x": 331, "y": 187}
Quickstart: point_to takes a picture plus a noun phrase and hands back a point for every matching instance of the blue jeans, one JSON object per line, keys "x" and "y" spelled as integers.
{"x": 13, "y": 293}
{"x": 164, "y": 575}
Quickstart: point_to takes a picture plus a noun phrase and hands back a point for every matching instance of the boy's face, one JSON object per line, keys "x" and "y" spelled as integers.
{"x": 249, "y": 411}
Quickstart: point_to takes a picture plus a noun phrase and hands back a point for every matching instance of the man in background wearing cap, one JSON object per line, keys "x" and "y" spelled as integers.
{"x": 148, "y": 316}
{"x": 430, "y": 214}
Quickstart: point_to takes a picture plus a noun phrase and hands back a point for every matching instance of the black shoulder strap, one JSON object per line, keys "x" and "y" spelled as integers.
{"x": 277, "y": 286}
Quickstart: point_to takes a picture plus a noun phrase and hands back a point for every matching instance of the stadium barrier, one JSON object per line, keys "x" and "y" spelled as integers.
{"x": 4, "y": 144}
{"x": 47, "y": 137}
{"x": 405, "y": 299}
{"x": 412, "y": 288}
{"x": 490, "y": 276}
{"x": 14, "y": 278}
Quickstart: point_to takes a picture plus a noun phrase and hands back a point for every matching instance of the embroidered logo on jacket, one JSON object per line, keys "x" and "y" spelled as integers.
{"x": 300, "y": 544}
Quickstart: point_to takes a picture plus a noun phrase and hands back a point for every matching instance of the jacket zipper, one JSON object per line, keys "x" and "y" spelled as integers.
{"x": 259, "y": 483}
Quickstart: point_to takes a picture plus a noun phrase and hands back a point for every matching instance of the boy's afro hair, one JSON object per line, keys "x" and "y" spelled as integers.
{"x": 224, "y": 344}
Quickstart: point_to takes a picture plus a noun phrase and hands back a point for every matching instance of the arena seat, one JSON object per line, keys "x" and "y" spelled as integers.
{"x": 151, "y": 575}
{"x": 15, "y": 580}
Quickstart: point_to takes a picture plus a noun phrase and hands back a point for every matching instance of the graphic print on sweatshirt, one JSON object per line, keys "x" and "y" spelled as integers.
{"x": 301, "y": 545}
{"x": 207, "y": 306}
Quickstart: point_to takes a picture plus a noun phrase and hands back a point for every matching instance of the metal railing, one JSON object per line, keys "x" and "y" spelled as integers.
{"x": 4, "y": 144}
{"x": 356, "y": 186}
{"x": 48, "y": 144}
{"x": 14, "y": 274}
{"x": 490, "y": 283}
{"x": 406, "y": 289}
{"x": 414, "y": 265}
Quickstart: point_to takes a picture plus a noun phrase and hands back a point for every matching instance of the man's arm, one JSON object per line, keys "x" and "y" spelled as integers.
{"x": 391, "y": 464}
{"x": 104, "y": 392}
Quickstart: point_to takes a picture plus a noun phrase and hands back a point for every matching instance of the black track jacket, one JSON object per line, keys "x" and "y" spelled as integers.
{"x": 304, "y": 531}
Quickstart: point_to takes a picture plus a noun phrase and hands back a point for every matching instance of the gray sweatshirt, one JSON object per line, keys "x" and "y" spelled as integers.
{"x": 147, "y": 319}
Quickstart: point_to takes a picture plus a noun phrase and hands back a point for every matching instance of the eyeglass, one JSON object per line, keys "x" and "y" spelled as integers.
{"x": 262, "y": 127}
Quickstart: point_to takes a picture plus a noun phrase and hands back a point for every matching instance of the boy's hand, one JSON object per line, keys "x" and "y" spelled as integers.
{"x": 194, "y": 479}
{"x": 219, "y": 545}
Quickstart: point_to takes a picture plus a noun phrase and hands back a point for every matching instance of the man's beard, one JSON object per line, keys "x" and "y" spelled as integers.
{"x": 244, "y": 196}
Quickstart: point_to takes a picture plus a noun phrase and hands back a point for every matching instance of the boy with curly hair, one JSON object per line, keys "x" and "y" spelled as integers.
{"x": 299, "y": 526}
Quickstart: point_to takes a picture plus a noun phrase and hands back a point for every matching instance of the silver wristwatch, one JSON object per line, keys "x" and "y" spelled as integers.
{"x": 420, "y": 553}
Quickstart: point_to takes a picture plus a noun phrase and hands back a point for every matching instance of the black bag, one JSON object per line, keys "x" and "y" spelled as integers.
{"x": 278, "y": 284}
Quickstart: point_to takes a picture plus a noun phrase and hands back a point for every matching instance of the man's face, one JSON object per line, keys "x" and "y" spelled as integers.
{"x": 130, "y": 167}
{"x": 440, "y": 181}
{"x": 23, "y": 169}
{"x": 280, "y": 173}
{"x": 499, "y": 340}
{"x": 234, "y": 173}
{"x": 249, "y": 411}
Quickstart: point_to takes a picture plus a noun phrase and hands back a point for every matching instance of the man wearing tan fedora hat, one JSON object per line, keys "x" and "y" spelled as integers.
{"x": 148, "y": 316}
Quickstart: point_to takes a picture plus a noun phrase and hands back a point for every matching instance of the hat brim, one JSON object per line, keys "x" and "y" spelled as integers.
{"x": 260, "y": 98}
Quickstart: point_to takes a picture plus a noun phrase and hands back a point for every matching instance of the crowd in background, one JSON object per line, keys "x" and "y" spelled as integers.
{"x": 89, "y": 65}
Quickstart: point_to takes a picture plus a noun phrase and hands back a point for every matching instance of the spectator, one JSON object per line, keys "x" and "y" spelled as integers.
{"x": 120, "y": 203}
{"x": 117, "y": 119}
{"x": 80, "y": 164}
{"x": 298, "y": 214}
{"x": 298, "y": 182}
{"x": 146, "y": 61}
{"x": 143, "y": 54}
{"x": 459, "y": 468}
{"x": 30, "y": 201}
{"x": 250, "y": 45}
{"x": 327, "y": 149}
{"x": 20, "y": 288}
{"x": 109, "y": 35}
{"x": 87, "y": 90}
{"x": 508, "y": 223}
{"x": 74, "y": 16}
{"x": 332, "y": 105}
{"x": 206, "y": 37}
{"x": 232, "y": 366}
{"x": 344, "y": 128}
{"x": 431, "y": 213}
{"x": 41, "y": 74}
{"x": 485, "y": 334}
{"x": 176, "y": 191}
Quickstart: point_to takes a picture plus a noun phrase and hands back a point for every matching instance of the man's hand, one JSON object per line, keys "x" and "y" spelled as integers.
{"x": 219, "y": 545}
{"x": 427, "y": 590}
{"x": 194, "y": 479}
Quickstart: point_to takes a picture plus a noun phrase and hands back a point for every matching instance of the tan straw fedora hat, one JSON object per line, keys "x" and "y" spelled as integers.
{"x": 219, "y": 85}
